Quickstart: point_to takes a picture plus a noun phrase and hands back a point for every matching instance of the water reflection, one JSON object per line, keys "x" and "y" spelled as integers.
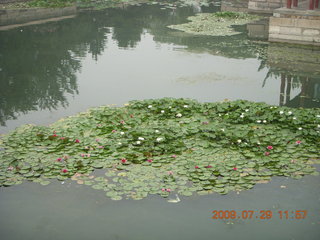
{"x": 297, "y": 70}
{"x": 40, "y": 64}
{"x": 309, "y": 91}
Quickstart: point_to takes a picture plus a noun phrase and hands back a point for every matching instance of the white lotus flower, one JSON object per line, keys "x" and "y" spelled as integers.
{"x": 185, "y": 106}
{"x": 150, "y": 106}
{"x": 258, "y": 143}
{"x": 289, "y": 112}
{"x": 318, "y": 125}
{"x": 159, "y": 139}
{"x": 247, "y": 110}
{"x": 294, "y": 118}
{"x": 300, "y": 128}
{"x": 239, "y": 141}
{"x": 179, "y": 115}
{"x": 162, "y": 111}
{"x": 258, "y": 121}
{"x": 141, "y": 138}
{"x": 222, "y": 129}
{"x": 138, "y": 142}
{"x": 219, "y": 115}
{"x": 318, "y": 116}
{"x": 242, "y": 116}
{"x": 157, "y": 131}
{"x": 121, "y": 133}
{"x": 281, "y": 112}
{"x": 264, "y": 121}
{"x": 119, "y": 143}
{"x": 170, "y": 107}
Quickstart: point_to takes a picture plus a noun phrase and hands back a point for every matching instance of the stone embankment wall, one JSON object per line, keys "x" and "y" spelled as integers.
{"x": 12, "y": 1}
{"x": 259, "y": 29}
{"x": 234, "y": 6}
{"x": 265, "y": 6}
{"x": 295, "y": 28}
{"x": 16, "y": 16}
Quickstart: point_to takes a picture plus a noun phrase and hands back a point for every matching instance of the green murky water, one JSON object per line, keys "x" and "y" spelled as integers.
{"x": 57, "y": 69}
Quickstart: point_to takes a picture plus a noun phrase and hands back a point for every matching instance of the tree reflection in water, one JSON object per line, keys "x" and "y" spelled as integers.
{"x": 38, "y": 65}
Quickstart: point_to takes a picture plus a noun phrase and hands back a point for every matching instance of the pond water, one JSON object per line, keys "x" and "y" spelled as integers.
{"x": 57, "y": 69}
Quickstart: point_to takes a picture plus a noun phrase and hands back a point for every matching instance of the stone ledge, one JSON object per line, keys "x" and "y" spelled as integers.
{"x": 18, "y": 16}
{"x": 271, "y": 39}
{"x": 293, "y": 22}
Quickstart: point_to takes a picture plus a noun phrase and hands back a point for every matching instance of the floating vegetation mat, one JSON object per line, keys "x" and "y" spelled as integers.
{"x": 166, "y": 146}
{"x": 215, "y": 24}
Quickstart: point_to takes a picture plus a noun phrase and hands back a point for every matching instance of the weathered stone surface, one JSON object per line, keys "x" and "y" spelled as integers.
{"x": 274, "y": 29}
{"x": 295, "y": 38}
{"x": 14, "y": 16}
{"x": 290, "y": 30}
{"x": 311, "y": 32}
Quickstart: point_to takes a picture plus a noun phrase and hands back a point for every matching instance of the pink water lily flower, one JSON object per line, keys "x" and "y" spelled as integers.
{"x": 62, "y": 138}
{"x": 163, "y": 189}
{"x": 267, "y": 153}
{"x": 173, "y": 156}
{"x": 64, "y": 170}
{"x": 168, "y": 190}
{"x": 270, "y": 147}
{"x": 54, "y": 135}
{"x": 100, "y": 146}
{"x": 114, "y": 131}
{"x": 235, "y": 168}
{"x": 196, "y": 167}
{"x": 170, "y": 172}
{"x": 77, "y": 141}
{"x": 123, "y": 160}
{"x": 209, "y": 166}
{"x": 10, "y": 168}
{"x": 149, "y": 160}
{"x": 59, "y": 159}
{"x": 298, "y": 142}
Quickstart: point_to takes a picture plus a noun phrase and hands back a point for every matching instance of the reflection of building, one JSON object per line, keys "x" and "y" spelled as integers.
{"x": 298, "y": 70}
{"x": 308, "y": 97}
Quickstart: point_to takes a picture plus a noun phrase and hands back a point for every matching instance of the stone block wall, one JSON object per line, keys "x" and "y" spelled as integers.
{"x": 12, "y": 1}
{"x": 234, "y": 6}
{"x": 266, "y": 6}
{"x": 295, "y": 30}
{"x": 16, "y": 16}
{"x": 258, "y": 29}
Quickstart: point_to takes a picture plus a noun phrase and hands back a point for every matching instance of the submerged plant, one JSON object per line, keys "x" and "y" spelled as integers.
{"x": 190, "y": 147}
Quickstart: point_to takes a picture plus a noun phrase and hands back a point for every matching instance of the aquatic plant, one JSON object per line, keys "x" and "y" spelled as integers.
{"x": 215, "y": 24}
{"x": 166, "y": 146}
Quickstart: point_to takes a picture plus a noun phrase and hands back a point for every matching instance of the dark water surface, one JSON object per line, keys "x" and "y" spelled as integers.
{"x": 57, "y": 69}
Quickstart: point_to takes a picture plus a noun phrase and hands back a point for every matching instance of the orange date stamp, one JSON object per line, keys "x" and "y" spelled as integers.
{"x": 259, "y": 214}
